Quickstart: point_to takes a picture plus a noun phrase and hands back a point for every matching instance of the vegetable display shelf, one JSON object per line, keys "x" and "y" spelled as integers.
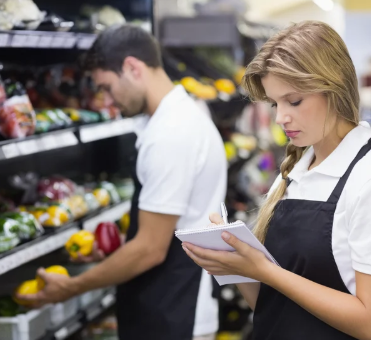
{"x": 55, "y": 238}
{"x": 82, "y": 318}
{"x": 64, "y": 138}
{"x": 36, "y": 248}
{"x": 52, "y": 40}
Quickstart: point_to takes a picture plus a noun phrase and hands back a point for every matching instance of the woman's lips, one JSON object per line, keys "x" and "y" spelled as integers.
{"x": 291, "y": 133}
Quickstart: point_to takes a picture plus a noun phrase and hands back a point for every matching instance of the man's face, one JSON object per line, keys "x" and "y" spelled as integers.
{"x": 126, "y": 94}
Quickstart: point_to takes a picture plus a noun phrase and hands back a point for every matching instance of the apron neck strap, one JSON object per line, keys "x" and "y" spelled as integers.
{"x": 334, "y": 198}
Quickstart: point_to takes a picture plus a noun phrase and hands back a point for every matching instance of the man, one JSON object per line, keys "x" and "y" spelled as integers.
{"x": 180, "y": 178}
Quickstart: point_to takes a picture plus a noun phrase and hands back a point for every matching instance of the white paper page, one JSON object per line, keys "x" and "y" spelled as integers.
{"x": 211, "y": 238}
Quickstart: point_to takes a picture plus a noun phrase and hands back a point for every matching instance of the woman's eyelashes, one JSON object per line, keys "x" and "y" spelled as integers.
{"x": 296, "y": 103}
{"x": 292, "y": 104}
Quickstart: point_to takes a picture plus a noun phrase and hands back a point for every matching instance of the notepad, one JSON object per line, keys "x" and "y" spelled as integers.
{"x": 211, "y": 238}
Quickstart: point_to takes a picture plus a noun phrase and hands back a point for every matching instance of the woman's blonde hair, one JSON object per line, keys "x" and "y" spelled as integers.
{"x": 312, "y": 58}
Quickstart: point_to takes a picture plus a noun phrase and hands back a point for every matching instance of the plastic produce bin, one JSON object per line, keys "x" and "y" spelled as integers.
{"x": 30, "y": 326}
{"x": 61, "y": 312}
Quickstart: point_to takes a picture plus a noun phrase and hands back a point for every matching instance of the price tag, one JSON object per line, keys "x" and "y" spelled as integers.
{"x": 28, "y": 147}
{"x": 225, "y": 97}
{"x": 86, "y": 42}
{"x": 48, "y": 142}
{"x": 116, "y": 128}
{"x": 10, "y": 150}
{"x": 108, "y": 300}
{"x": 19, "y": 40}
{"x": 125, "y": 126}
{"x": 32, "y": 41}
{"x": 70, "y": 42}
{"x": 67, "y": 139}
{"x": 58, "y": 42}
{"x": 4, "y": 40}
{"x": 45, "y": 42}
{"x": 61, "y": 334}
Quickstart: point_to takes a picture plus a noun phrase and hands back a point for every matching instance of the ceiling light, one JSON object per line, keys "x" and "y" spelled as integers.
{"x": 326, "y": 5}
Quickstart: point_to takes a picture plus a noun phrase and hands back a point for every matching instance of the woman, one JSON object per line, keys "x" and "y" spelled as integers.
{"x": 316, "y": 221}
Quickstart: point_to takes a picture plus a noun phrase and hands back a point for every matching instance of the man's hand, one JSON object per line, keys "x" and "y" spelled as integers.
{"x": 58, "y": 288}
{"x": 96, "y": 255}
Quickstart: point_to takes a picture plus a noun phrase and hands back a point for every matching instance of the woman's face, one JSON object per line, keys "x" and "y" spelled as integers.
{"x": 304, "y": 117}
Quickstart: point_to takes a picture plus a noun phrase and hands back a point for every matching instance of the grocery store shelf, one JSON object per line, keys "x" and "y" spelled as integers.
{"x": 40, "y": 39}
{"x": 111, "y": 214}
{"x": 91, "y": 313}
{"x": 13, "y": 148}
{"x": 90, "y": 133}
{"x": 37, "y": 143}
{"x": 36, "y": 248}
{"x": 51, "y": 40}
{"x": 55, "y": 238}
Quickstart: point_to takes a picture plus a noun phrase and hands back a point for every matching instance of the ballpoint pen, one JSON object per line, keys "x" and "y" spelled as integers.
{"x": 224, "y": 213}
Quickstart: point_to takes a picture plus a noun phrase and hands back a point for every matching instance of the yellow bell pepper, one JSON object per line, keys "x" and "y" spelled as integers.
{"x": 124, "y": 223}
{"x": 102, "y": 196}
{"x": 57, "y": 216}
{"x": 51, "y": 270}
{"x": 26, "y": 288}
{"x": 81, "y": 242}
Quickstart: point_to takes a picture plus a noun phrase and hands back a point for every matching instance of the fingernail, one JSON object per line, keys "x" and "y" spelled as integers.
{"x": 184, "y": 248}
{"x": 225, "y": 236}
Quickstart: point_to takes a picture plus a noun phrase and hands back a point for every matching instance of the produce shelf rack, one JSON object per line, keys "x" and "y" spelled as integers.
{"x": 56, "y": 237}
{"x": 82, "y": 318}
{"x": 64, "y": 138}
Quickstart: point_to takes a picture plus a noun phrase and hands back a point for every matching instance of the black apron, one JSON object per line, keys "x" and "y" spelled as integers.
{"x": 300, "y": 239}
{"x": 161, "y": 303}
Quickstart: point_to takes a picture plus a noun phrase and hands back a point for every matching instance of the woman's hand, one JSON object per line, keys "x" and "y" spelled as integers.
{"x": 245, "y": 261}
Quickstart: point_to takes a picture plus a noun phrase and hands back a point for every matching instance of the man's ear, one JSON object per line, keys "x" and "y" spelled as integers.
{"x": 132, "y": 66}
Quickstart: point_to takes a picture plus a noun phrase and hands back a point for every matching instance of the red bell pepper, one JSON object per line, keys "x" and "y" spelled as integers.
{"x": 108, "y": 237}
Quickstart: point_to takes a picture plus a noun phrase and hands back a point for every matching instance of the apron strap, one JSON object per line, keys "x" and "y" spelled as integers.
{"x": 334, "y": 198}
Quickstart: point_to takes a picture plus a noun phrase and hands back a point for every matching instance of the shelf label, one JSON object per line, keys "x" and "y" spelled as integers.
{"x": 86, "y": 42}
{"x": 49, "y": 142}
{"x": 10, "y": 150}
{"x": 58, "y": 42}
{"x": 19, "y": 40}
{"x": 45, "y": 41}
{"x": 61, "y": 334}
{"x": 108, "y": 300}
{"x": 67, "y": 139}
{"x": 70, "y": 42}
{"x": 4, "y": 39}
{"x": 32, "y": 41}
{"x": 28, "y": 147}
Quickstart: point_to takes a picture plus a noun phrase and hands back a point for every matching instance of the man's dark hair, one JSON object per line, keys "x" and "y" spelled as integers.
{"x": 117, "y": 43}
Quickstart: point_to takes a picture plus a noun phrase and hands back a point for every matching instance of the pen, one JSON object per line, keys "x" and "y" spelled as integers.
{"x": 224, "y": 213}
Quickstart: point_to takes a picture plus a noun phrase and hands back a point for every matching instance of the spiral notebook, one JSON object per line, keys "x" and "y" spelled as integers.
{"x": 211, "y": 238}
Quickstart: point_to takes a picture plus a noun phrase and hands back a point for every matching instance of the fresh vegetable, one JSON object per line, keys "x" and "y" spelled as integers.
{"x": 81, "y": 242}
{"x": 51, "y": 270}
{"x": 225, "y": 85}
{"x": 17, "y": 117}
{"x": 8, "y": 234}
{"x": 77, "y": 206}
{"x": 26, "y": 288}
{"x": 58, "y": 215}
{"x": 124, "y": 223}
{"x": 102, "y": 196}
{"x": 108, "y": 237}
{"x": 114, "y": 195}
{"x": 8, "y": 307}
{"x": 55, "y": 188}
{"x": 30, "y": 227}
{"x": 91, "y": 201}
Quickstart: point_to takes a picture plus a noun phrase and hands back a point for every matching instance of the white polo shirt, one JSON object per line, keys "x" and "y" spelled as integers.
{"x": 351, "y": 233}
{"x": 183, "y": 170}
